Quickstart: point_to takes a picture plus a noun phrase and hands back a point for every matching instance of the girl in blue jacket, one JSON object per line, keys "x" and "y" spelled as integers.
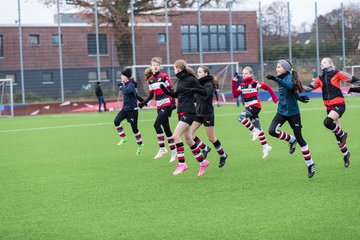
{"x": 129, "y": 110}
{"x": 288, "y": 110}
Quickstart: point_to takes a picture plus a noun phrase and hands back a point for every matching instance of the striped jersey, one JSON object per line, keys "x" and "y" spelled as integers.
{"x": 249, "y": 89}
{"x": 162, "y": 99}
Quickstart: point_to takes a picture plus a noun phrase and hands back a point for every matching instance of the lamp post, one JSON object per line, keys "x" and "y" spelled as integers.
{"x": 21, "y": 54}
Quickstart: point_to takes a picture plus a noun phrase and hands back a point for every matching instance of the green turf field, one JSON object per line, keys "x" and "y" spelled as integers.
{"x": 64, "y": 177}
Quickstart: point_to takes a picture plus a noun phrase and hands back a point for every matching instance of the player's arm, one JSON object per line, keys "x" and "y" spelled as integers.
{"x": 270, "y": 90}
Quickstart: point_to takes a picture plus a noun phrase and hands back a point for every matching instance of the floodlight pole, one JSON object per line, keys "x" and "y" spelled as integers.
{"x": 167, "y": 36}
{"x": 261, "y": 45}
{"x": 133, "y": 36}
{"x": 231, "y": 36}
{"x": 343, "y": 36}
{"x": 60, "y": 52}
{"x": 21, "y": 55}
{"x": 97, "y": 41}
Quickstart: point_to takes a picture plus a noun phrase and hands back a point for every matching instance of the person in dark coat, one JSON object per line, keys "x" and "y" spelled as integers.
{"x": 100, "y": 96}
{"x": 187, "y": 86}
{"x": 205, "y": 115}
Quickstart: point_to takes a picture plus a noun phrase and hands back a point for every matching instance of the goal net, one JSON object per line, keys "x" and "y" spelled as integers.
{"x": 222, "y": 71}
{"x": 6, "y": 98}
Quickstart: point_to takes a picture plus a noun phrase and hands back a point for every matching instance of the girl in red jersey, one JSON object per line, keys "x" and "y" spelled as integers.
{"x": 249, "y": 88}
{"x": 187, "y": 86}
{"x": 164, "y": 104}
{"x": 329, "y": 82}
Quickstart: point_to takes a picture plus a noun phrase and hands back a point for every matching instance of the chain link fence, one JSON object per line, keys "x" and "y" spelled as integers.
{"x": 49, "y": 68}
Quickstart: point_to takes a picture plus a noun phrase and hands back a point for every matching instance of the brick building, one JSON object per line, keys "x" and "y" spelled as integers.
{"x": 41, "y": 54}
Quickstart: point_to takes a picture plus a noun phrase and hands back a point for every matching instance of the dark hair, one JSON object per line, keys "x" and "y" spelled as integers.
{"x": 297, "y": 84}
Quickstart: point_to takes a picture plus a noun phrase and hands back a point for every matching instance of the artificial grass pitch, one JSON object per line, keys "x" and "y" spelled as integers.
{"x": 64, "y": 177}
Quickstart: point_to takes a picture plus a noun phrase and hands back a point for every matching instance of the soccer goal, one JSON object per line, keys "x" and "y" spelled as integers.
{"x": 6, "y": 98}
{"x": 222, "y": 71}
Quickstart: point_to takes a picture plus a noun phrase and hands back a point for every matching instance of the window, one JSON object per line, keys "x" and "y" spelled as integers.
{"x": 34, "y": 40}
{"x": 161, "y": 38}
{"x": 47, "y": 78}
{"x": 214, "y": 38}
{"x": 189, "y": 38}
{"x": 92, "y": 44}
{"x": 1, "y": 46}
{"x": 93, "y": 76}
{"x": 239, "y": 39}
{"x": 55, "y": 40}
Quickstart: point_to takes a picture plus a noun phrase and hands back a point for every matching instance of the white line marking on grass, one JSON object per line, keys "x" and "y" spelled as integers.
{"x": 148, "y": 120}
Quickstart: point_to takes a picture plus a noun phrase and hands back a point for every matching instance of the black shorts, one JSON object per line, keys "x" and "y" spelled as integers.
{"x": 165, "y": 111}
{"x": 294, "y": 120}
{"x": 254, "y": 111}
{"x": 187, "y": 118}
{"x": 339, "y": 108}
{"x": 131, "y": 116}
{"x": 207, "y": 120}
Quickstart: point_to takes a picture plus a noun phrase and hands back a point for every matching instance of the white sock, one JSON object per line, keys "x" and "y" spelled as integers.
{"x": 309, "y": 162}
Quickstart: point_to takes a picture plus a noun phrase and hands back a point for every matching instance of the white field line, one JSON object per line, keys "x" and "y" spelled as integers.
{"x": 148, "y": 120}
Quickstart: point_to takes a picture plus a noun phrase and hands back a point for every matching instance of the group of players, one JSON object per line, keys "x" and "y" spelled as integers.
{"x": 194, "y": 93}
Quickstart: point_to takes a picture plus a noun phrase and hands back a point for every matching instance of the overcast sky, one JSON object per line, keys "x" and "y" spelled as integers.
{"x": 35, "y": 13}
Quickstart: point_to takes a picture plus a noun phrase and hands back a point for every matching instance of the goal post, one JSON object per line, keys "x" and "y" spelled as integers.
{"x": 6, "y": 98}
{"x": 222, "y": 71}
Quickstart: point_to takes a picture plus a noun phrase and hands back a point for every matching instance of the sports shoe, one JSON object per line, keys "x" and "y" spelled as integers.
{"x": 255, "y": 134}
{"x": 181, "y": 167}
{"x": 173, "y": 156}
{"x": 203, "y": 166}
{"x": 139, "y": 149}
{"x": 292, "y": 146}
{"x": 266, "y": 151}
{"x": 122, "y": 141}
{"x": 160, "y": 153}
{"x": 205, "y": 152}
{"x": 311, "y": 170}
{"x": 343, "y": 139}
{"x": 222, "y": 161}
{"x": 347, "y": 160}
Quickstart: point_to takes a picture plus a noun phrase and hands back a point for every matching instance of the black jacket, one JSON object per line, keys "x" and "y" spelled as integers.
{"x": 187, "y": 85}
{"x": 130, "y": 96}
{"x": 204, "y": 104}
{"x": 98, "y": 91}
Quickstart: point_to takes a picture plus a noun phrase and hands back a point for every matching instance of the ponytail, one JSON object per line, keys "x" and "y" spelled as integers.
{"x": 182, "y": 65}
{"x": 297, "y": 84}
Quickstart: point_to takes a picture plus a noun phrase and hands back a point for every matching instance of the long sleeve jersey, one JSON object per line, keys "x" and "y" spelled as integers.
{"x": 249, "y": 88}
{"x": 161, "y": 98}
{"x": 329, "y": 82}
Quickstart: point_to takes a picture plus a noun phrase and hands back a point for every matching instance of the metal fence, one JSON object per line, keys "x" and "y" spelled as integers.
{"x": 46, "y": 67}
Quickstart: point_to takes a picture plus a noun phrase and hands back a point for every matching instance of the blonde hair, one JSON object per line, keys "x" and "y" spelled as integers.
{"x": 329, "y": 60}
{"x": 182, "y": 65}
{"x": 248, "y": 69}
{"x": 157, "y": 60}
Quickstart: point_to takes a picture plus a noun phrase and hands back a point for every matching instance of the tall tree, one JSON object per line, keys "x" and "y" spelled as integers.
{"x": 115, "y": 15}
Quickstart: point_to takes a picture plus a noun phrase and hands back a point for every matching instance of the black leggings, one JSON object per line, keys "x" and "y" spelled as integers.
{"x": 295, "y": 124}
{"x": 131, "y": 117}
{"x": 162, "y": 119}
